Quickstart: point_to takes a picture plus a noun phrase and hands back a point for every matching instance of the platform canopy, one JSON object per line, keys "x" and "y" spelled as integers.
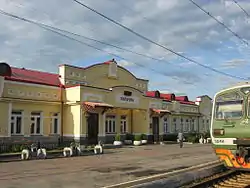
{"x": 160, "y": 111}
{"x": 92, "y": 106}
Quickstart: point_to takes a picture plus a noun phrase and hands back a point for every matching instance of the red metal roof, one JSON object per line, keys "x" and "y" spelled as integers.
{"x": 150, "y": 93}
{"x": 169, "y": 96}
{"x": 181, "y": 98}
{"x": 32, "y": 76}
{"x": 187, "y": 102}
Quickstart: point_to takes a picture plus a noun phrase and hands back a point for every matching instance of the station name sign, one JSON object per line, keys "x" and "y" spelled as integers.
{"x": 127, "y": 99}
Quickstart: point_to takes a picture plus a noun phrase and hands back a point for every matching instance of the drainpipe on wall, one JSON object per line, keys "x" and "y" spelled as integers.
{"x": 62, "y": 110}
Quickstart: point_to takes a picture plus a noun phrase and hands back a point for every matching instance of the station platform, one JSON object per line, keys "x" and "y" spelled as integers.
{"x": 114, "y": 166}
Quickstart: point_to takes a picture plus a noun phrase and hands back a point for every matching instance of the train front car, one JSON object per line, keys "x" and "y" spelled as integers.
{"x": 230, "y": 129}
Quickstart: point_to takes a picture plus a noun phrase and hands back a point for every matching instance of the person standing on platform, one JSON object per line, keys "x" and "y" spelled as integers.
{"x": 180, "y": 137}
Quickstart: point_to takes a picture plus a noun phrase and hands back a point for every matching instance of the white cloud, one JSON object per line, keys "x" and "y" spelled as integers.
{"x": 178, "y": 25}
{"x": 233, "y": 63}
{"x": 125, "y": 63}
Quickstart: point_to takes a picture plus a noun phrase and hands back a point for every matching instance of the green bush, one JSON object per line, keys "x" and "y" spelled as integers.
{"x": 171, "y": 137}
{"x": 143, "y": 136}
{"x": 193, "y": 139}
{"x": 15, "y": 148}
{"x": 137, "y": 137}
{"x": 117, "y": 137}
{"x": 207, "y": 135}
{"x": 129, "y": 136}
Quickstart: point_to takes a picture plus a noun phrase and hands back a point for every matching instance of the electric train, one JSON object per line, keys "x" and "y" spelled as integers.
{"x": 230, "y": 126}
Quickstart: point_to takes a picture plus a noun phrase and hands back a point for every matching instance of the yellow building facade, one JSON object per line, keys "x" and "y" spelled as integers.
{"x": 88, "y": 104}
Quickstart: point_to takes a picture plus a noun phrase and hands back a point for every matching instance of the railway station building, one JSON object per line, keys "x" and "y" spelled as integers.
{"x": 90, "y": 104}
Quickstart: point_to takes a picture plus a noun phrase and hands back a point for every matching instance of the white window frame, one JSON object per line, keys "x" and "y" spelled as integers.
{"x": 208, "y": 124}
{"x": 165, "y": 125}
{"x": 174, "y": 126}
{"x": 186, "y": 125}
{"x": 35, "y": 122}
{"x": 192, "y": 128}
{"x": 110, "y": 124}
{"x": 124, "y": 124}
{"x": 54, "y": 117}
{"x": 19, "y": 114}
{"x": 181, "y": 124}
{"x": 203, "y": 124}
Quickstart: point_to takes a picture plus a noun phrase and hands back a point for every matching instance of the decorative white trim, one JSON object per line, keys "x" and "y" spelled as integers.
{"x": 30, "y": 84}
{"x": 29, "y": 101}
{"x": 9, "y": 118}
{"x": 97, "y": 97}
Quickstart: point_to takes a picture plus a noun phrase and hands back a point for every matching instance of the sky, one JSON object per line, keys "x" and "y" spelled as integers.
{"x": 177, "y": 24}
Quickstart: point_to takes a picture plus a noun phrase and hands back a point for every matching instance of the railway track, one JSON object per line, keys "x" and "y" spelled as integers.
{"x": 227, "y": 179}
{"x": 171, "y": 179}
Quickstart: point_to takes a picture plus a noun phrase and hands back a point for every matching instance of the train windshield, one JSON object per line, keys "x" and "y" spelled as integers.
{"x": 229, "y": 106}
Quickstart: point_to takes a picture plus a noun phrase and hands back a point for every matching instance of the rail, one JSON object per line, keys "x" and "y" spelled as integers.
{"x": 230, "y": 178}
{"x": 148, "y": 179}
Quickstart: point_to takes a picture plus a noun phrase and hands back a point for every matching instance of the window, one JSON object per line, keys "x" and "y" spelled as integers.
{"x": 174, "y": 126}
{"x": 110, "y": 124}
{"x": 127, "y": 93}
{"x": 191, "y": 125}
{"x": 229, "y": 106}
{"x": 35, "y": 127}
{"x": 165, "y": 125}
{"x": 208, "y": 125}
{"x": 186, "y": 127}
{"x": 123, "y": 124}
{"x": 55, "y": 124}
{"x": 181, "y": 128}
{"x": 203, "y": 125}
{"x": 16, "y": 122}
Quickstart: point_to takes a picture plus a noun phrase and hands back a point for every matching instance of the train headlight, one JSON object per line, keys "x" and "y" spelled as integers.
{"x": 219, "y": 132}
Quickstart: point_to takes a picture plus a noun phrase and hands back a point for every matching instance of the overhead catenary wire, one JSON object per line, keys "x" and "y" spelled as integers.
{"x": 237, "y": 3}
{"x": 157, "y": 44}
{"x": 175, "y": 33}
{"x": 221, "y": 23}
{"x": 81, "y": 42}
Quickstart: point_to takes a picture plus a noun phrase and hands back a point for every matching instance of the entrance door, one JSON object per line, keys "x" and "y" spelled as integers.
{"x": 155, "y": 123}
{"x": 93, "y": 128}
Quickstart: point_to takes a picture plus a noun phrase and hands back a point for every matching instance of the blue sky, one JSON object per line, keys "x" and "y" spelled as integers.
{"x": 176, "y": 24}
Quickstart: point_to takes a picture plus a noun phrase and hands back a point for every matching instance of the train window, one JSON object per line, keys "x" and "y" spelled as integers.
{"x": 245, "y": 90}
{"x": 229, "y": 106}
